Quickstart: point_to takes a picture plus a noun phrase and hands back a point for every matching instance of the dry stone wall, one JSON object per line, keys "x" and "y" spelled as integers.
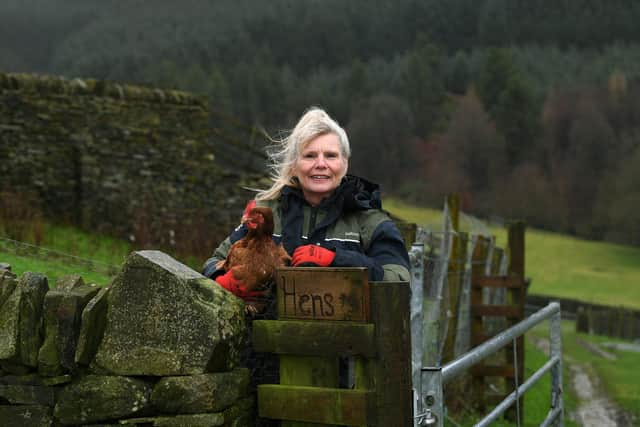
{"x": 115, "y": 157}
{"x": 159, "y": 347}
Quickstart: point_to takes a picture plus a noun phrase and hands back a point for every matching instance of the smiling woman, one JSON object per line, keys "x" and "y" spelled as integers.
{"x": 322, "y": 216}
{"x": 320, "y": 168}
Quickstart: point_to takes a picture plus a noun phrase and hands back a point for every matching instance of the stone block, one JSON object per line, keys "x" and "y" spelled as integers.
{"x": 26, "y": 416}
{"x": 28, "y": 379}
{"x": 192, "y": 420}
{"x": 9, "y": 307}
{"x": 63, "y": 308}
{"x": 193, "y": 394}
{"x": 7, "y": 285}
{"x": 28, "y": 394}
{"x": 244, "y": 420}
{"x": 163, "y": 319}
{"x": 14, "y": 368}
{"x": 69, "y": 282}
{"x": 20, "y": 321}
{"x": 242, "y": 408}
{"x": 94, "y": 319}
{"x": 97, "y": 398}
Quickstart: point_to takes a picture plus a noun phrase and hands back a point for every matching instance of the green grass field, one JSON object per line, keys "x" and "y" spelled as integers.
{"x": 559, "y": 265}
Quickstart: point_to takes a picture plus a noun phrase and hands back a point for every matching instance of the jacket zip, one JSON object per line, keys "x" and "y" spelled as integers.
{"x": 312, "y": 221}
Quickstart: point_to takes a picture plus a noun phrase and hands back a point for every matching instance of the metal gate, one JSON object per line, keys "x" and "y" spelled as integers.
{"x": 430, "y": 405}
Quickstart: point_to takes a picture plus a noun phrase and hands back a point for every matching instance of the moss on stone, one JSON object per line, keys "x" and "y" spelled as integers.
{"x": 177, "y": 330}
{"x": 200, "y": 393}
{"x": 93, "y": 321}
{"x": 63, "y": 308}
{"x": 101, "y": 398}
{"x": 26, "y": 416}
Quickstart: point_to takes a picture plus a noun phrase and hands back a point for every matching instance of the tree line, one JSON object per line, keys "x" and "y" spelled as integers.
{"x": 526, "y": 107}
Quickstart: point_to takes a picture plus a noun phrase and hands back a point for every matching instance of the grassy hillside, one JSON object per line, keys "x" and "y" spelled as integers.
{"x": 66, "y": 250}
{"x": 559, "y": 265}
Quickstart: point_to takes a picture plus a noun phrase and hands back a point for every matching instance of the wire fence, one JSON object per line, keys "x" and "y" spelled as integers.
{"x": 442, "y": 267}
{"x": 24, "y": 249}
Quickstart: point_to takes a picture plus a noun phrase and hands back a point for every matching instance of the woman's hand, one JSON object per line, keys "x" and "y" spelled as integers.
{"x": 236, "y": 287}
{"x": 312, "y": 255}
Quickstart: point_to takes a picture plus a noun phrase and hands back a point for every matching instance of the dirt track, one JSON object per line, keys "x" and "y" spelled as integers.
{"x": 595, "y": 408}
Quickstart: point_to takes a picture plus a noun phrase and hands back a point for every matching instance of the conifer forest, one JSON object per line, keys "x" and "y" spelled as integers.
{"x": 529, "y": 108}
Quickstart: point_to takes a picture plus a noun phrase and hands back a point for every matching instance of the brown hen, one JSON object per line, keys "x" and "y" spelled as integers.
{"x": 255, "y": 257}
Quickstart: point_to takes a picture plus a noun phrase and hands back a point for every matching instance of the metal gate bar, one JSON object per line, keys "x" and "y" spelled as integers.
{"x": 431, "y": 403}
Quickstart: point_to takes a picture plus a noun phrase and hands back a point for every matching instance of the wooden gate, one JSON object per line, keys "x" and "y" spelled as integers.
{"x": 325, "y": 314}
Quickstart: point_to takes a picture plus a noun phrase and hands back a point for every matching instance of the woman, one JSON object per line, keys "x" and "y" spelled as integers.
{"x": 323, "y": 216}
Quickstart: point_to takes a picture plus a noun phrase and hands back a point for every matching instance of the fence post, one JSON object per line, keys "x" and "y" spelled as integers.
{"x": 516, "y": 235}
{"x": 555, "y": 334}
{"x": 392, "y": 368}
{"x": 416, "y": 256}
{"x": 454, "y": 275}
{"x": 432, "y": 397}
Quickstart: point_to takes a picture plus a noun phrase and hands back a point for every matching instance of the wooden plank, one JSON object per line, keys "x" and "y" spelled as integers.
{"x": 316, "y": 405}
{"x": 391, "y": 371}
{"x": 477, "y": 326}
{"x": 498, "y": 282}
{"x": 516, "y": 234}
{"x": 310, "y": 338}
{"x": 308, "y": 371}
{"x": 313, "y": 293}
{"x": 510, "y": 311}
{"x": 493, "y": 399}
{"x": 494, "y": 371}
{"x": 476, "y": 340}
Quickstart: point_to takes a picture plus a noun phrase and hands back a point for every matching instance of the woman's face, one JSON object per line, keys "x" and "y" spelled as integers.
{"x": 320, "y": 167}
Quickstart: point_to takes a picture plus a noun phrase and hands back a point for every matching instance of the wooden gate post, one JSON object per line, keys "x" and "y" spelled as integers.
{"x": 517, "y": 296}
{"x": 391, "y": 371}
{"x": 454, "y": 278}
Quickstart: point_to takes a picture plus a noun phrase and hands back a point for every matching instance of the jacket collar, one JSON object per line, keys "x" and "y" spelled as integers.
{"x": 353, "y": 194}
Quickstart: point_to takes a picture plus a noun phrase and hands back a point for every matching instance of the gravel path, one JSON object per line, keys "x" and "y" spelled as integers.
{"x": 595, "y": 408}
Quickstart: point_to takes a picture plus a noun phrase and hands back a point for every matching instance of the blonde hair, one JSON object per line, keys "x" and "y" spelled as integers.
{"x": 313, "y": 123}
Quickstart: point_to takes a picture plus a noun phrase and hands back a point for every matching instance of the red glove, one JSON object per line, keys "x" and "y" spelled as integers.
{"x": 235, "y": 286}
{"x": 312, "y": 255}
